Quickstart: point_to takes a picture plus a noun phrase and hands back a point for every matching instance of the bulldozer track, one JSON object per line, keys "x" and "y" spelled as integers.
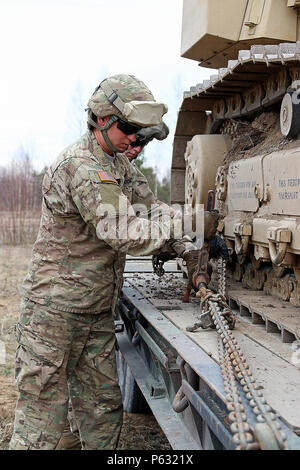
{"x": 256, "y": 80}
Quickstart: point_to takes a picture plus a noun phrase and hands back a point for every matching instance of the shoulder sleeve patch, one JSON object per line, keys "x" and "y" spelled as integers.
{"x": 106, "y": 177}
{"x": 99, "y": 176}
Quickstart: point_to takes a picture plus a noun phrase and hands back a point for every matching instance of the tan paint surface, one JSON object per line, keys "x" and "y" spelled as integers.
{"x": 282, "y": 174}
{"x": 209, "y": 23}
{"x": 205, "y": 153}
{"x": 214, "y": 30}
{"x": 243, "y": 177}
{"x": 274, "y": 20}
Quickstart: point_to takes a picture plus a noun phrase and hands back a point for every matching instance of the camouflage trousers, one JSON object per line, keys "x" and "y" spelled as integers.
{"x": 69, "y": 440}
{"x": 65, "y": 358}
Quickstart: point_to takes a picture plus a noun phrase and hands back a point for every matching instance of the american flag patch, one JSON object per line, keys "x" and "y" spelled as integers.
{"x": 106, "y": 177}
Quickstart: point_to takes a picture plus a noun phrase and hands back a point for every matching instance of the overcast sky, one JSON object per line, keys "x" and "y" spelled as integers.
{"x": 55, "y": 52}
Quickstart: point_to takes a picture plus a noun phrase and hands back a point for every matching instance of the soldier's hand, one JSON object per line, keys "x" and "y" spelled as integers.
{"x": 159, "y": 260}
{"x": 218, "y": 248}
{"x": 211, "y": 220}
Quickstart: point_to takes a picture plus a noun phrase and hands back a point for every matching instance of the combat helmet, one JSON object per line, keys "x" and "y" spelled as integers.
{"x": 127, "y": 98}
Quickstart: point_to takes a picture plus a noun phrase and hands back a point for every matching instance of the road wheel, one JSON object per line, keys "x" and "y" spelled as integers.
{"x": 290, "y": 115}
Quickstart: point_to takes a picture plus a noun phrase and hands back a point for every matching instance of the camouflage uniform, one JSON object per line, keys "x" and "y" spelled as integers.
{"x": 62, "y": 356}
{"x": 65, "y": 332}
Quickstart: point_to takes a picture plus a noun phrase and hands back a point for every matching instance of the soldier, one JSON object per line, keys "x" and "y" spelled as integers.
{"x": 133, "y": 152}
{"x": 70, "y": 439}
{"x": 144, "y": 136}
{"x": 65, "y": 334}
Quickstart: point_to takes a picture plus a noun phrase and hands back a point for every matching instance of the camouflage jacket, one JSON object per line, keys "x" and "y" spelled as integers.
{"x": 72, "y": 269}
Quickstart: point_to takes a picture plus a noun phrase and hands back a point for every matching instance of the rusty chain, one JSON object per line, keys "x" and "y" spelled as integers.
{"x": 221, "y": 267}
{"x": 240, "y": 428}
{"x": 234, "y": 367}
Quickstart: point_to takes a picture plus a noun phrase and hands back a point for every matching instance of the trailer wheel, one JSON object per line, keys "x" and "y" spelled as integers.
{"x": 133, "y": 399}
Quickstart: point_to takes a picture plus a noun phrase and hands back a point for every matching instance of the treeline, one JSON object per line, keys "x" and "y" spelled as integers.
{"x": 21, "y": 186}
{"x": 20, "y": 202}
{"x": 160, "y": 188}
{"x": 21, "y": 198}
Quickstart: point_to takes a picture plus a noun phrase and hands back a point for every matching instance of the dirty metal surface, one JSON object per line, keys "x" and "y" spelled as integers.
{"x": 143, "y": 265}
{"x": 276, "y": 316}
{"x": 268, "y": 356}
{"x": 254, "y": 65}
{"x": 190, "y": 352}
{"x": 170, "y": 422}
{"x": 200, "y": 362}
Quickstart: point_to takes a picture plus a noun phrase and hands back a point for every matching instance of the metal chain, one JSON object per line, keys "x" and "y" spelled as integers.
{"x": 221, "y": 266}
{"x": 234, "y": 367}
{"x": 240, "y": 428}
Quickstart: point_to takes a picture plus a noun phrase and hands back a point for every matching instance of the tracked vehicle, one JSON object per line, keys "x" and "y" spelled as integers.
{"x": 237, "y": 134}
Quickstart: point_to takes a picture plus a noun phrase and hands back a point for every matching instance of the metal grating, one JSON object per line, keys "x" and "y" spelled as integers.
{"x": 258, "y": 318}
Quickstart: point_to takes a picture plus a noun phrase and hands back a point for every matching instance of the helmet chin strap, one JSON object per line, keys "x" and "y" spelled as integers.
{"x": 104, "y": 132}
{"x": 108, "y": 142}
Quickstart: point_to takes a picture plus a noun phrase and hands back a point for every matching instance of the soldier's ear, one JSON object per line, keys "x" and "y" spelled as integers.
{"x": 101, "y": 121}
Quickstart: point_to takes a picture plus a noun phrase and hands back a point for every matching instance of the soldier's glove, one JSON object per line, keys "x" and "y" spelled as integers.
{"x": 191, "y": 261}
{"x": 159, "y": 260}
{"x": 146, "y": 134}
{"x": 211, "y": 220}
{"x": 218, "y": 248}
{"x": 166, "y": 256}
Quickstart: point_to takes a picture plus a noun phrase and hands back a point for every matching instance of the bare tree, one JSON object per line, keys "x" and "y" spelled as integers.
{"x": 76, "y": 116}
{"x": 20, "y": 202}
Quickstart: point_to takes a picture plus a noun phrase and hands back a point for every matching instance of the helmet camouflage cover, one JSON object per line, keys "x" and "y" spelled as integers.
{"x": 128, "y": 98}
{"x": 128, "y": 87}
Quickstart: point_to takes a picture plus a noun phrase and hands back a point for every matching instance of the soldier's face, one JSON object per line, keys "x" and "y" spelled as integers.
{"x": 133, "y": 152}
{"x": 120, "y": 140}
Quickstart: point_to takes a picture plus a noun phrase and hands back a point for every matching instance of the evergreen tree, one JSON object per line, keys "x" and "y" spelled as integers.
{"x": 163, "y": 187}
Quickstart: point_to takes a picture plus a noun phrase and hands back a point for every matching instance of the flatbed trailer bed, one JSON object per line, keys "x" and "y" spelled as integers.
{"x": 157, "y": 356}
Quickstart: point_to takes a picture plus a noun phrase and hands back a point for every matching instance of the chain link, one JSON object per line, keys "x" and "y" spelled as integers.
{"x": 221, "y": 266}
{"x": 240, "y": 428}
{"x": 234, "y": 367}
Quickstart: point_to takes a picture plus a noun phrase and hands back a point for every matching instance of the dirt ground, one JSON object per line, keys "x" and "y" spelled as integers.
{"x": 259, "y": 137}
{"x": 139, "y": 432}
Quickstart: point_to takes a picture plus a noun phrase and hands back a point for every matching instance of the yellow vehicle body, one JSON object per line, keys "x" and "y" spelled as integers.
{"x": 235, "y": 123}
